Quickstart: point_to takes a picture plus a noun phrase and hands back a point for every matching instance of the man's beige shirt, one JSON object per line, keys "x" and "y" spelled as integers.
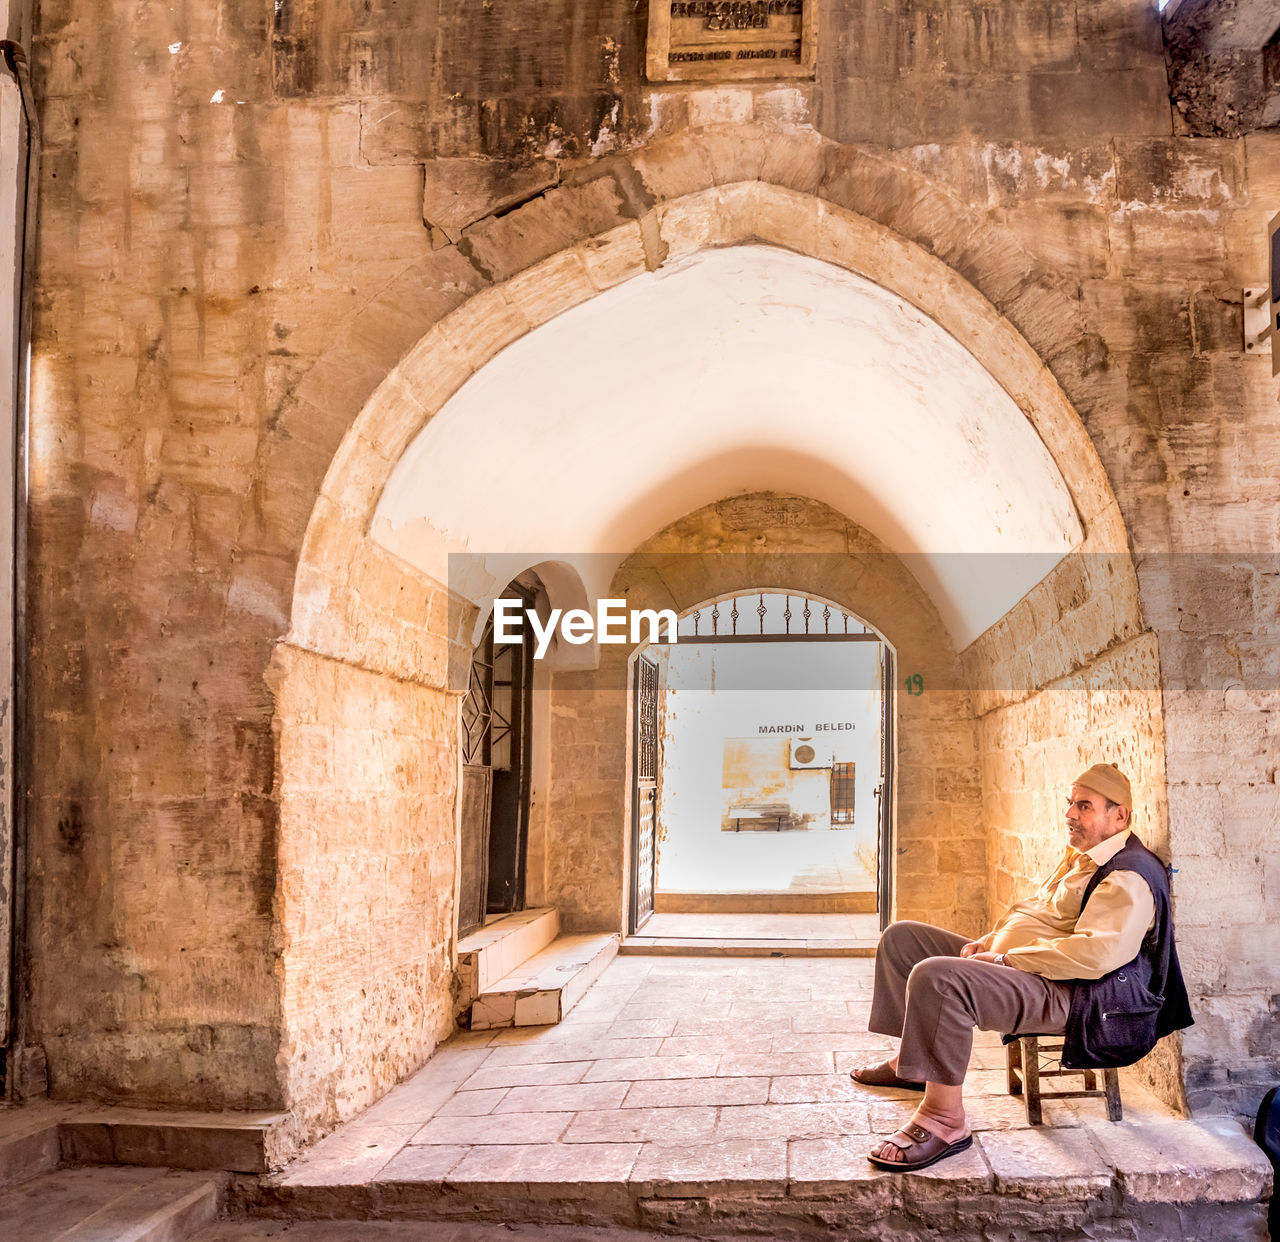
{"x": 1047, "y": 935}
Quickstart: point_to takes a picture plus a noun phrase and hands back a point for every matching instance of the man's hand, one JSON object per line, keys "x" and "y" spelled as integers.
{"x": 983, "y": 957}
{"x": 973, "y": 948}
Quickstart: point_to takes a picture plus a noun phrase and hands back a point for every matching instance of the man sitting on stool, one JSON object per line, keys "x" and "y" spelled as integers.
{"x": 1106, "y": 907}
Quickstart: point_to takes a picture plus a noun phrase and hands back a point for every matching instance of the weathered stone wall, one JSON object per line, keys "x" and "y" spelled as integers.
{"x": 785, "y": 543}
{"x": 365, "y": 897}
{"x": 1189, "y": 430}
{"x": 233, "y": 259}
{"x": 1044, "y": 71}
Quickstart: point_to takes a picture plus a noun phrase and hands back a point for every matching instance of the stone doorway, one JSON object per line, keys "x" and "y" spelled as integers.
{"x": 1015, "y": 605}
{"x": 771, "y": 802}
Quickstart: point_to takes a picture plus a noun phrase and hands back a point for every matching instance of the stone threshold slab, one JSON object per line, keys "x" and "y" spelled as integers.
{"x": 34, "y": 1138}
{"x": 683, "y": 946}
{"x": 1114, "y": 1177}
{"x": 111, "y": 1205}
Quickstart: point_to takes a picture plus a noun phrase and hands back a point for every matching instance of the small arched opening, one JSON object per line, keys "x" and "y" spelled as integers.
{"x": 762, "y": 746}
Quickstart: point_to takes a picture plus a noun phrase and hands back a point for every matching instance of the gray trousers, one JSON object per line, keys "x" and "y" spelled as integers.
{"x": 933, "y": 998}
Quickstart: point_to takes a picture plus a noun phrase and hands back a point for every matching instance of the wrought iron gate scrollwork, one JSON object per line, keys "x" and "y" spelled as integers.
{"x": 645, "y": 791}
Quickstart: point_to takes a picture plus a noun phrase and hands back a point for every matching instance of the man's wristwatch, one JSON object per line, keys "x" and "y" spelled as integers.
{"x": 999, "y": 959}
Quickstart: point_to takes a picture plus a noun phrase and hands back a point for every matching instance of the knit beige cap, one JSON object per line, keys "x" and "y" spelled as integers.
{"x": 1109, "y": 781}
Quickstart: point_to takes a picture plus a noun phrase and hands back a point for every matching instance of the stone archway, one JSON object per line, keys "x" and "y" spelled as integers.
{"x": 368, "y": 629}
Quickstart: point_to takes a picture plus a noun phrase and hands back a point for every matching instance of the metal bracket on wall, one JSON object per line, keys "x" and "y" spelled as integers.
{"x": 1257, "y": 320}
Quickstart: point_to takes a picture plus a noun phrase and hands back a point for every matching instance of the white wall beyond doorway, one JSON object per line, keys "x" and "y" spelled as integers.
{"x": 732, "y": 711}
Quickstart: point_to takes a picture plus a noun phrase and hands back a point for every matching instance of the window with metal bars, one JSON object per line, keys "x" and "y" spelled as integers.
{"x": 842, "y": 793}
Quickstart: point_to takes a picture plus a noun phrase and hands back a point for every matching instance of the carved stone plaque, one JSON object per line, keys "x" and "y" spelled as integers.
{"x": 731, "y": 40}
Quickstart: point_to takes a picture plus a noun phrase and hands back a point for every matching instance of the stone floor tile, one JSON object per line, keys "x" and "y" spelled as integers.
{"x": 675, "y": 997}
{"x": 871, "y": 1050}
{"x": 820, "y": 1019}
{"x": 471, "y": 1039}
{"x": 1008, "y": 1112}
{"x": 759, "y": 1065}
{"x": 986, "y": 1082}
{"x": 473, "y": 1103}
{"x": 526, "y": 1075}
{"x": 644, "y": 1028}
{"x": 857, "y": 1048}
{"x": 670, "y": 967}
{"x": 764, "y": 1011}
{"x": 756, "y": 995}
{"x": 966, "y": 1173}
{"x": 791, "y": 1121}
{"x": 352, "y": 1155}
{"x": 543, "y": 1051}
{"x": 577, "y": 1097}
{"x": 987, "y": 1059}
{"x": 1045, "y": 1164}
{"x": 1179, "y": 1162}
{"x": 605, "y": 1007}
{"x": 813, "y": 1089}
{"x": 701, "y": 1024}
{"x": 832, "y": 1166}
{"x": 750, "y": 1161}
{"x": 428, "y": 1163}
{"x": 642, "y": 1008}
{"x": 541, "y": 1162}
{"x": 565, "y": 1033}
{"x": 643, "y": 1125}
{"x": 508, "y": 1128}
{"x": 888, "y": 1110}
{"x": 693, "y": 1045}
{"x": 676, "y": 1092}
{"x": 418, "y": 1097}
{"x": 637, "y": 1068}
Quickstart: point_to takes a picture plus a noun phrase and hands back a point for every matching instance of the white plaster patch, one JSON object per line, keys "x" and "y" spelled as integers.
{"x": 250, "y": 594}
{"x": 113, "y": 511}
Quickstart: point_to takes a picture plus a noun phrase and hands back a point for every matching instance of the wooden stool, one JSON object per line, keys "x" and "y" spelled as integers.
{"x": 1022, "y": 1064}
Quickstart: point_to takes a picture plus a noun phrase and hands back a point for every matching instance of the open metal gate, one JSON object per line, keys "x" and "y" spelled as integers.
{"x": 644, "y": 793}
{"x": 495, "y": 777}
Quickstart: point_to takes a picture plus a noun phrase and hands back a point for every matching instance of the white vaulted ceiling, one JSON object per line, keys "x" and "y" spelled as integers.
{"x": 738, "y": 370}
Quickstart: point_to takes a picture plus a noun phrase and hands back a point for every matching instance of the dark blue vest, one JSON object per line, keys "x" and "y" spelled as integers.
{"x": 1116, "y": 1020}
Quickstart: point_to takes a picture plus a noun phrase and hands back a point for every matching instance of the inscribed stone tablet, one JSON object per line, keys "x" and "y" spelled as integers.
{"x": 731, "y": 40}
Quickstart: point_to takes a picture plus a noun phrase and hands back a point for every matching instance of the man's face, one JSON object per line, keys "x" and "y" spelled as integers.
{"x": 1089, "y": 823}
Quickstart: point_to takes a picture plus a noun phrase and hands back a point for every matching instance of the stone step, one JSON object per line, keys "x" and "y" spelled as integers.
{"x": 501, "y": 946}
{"x": 1202, "y": 1180}
{"x": 111, "y": 1204}
{"x": 29, "y": 1143}
{"x": 542, "y": 990}
{"x": 234, "y": 1142}
{"x": 686, "y": 946}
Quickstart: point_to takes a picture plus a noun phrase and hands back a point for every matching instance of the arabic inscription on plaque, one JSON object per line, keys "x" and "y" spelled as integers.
{"x": 730, "y": 40}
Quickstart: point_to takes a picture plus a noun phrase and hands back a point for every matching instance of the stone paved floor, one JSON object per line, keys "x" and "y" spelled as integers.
{"x": 698, "y": 1068}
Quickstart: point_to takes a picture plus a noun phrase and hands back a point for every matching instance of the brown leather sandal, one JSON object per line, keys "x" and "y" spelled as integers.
{"x": 883, "y": 1076}
{"x": 929, "y": 1148}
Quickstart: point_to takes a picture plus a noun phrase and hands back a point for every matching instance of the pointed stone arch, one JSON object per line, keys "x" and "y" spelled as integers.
{"x": 365, "y": 627}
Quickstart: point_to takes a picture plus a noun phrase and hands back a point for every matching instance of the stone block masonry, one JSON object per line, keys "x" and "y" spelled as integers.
{"x": 234, "y": 259}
